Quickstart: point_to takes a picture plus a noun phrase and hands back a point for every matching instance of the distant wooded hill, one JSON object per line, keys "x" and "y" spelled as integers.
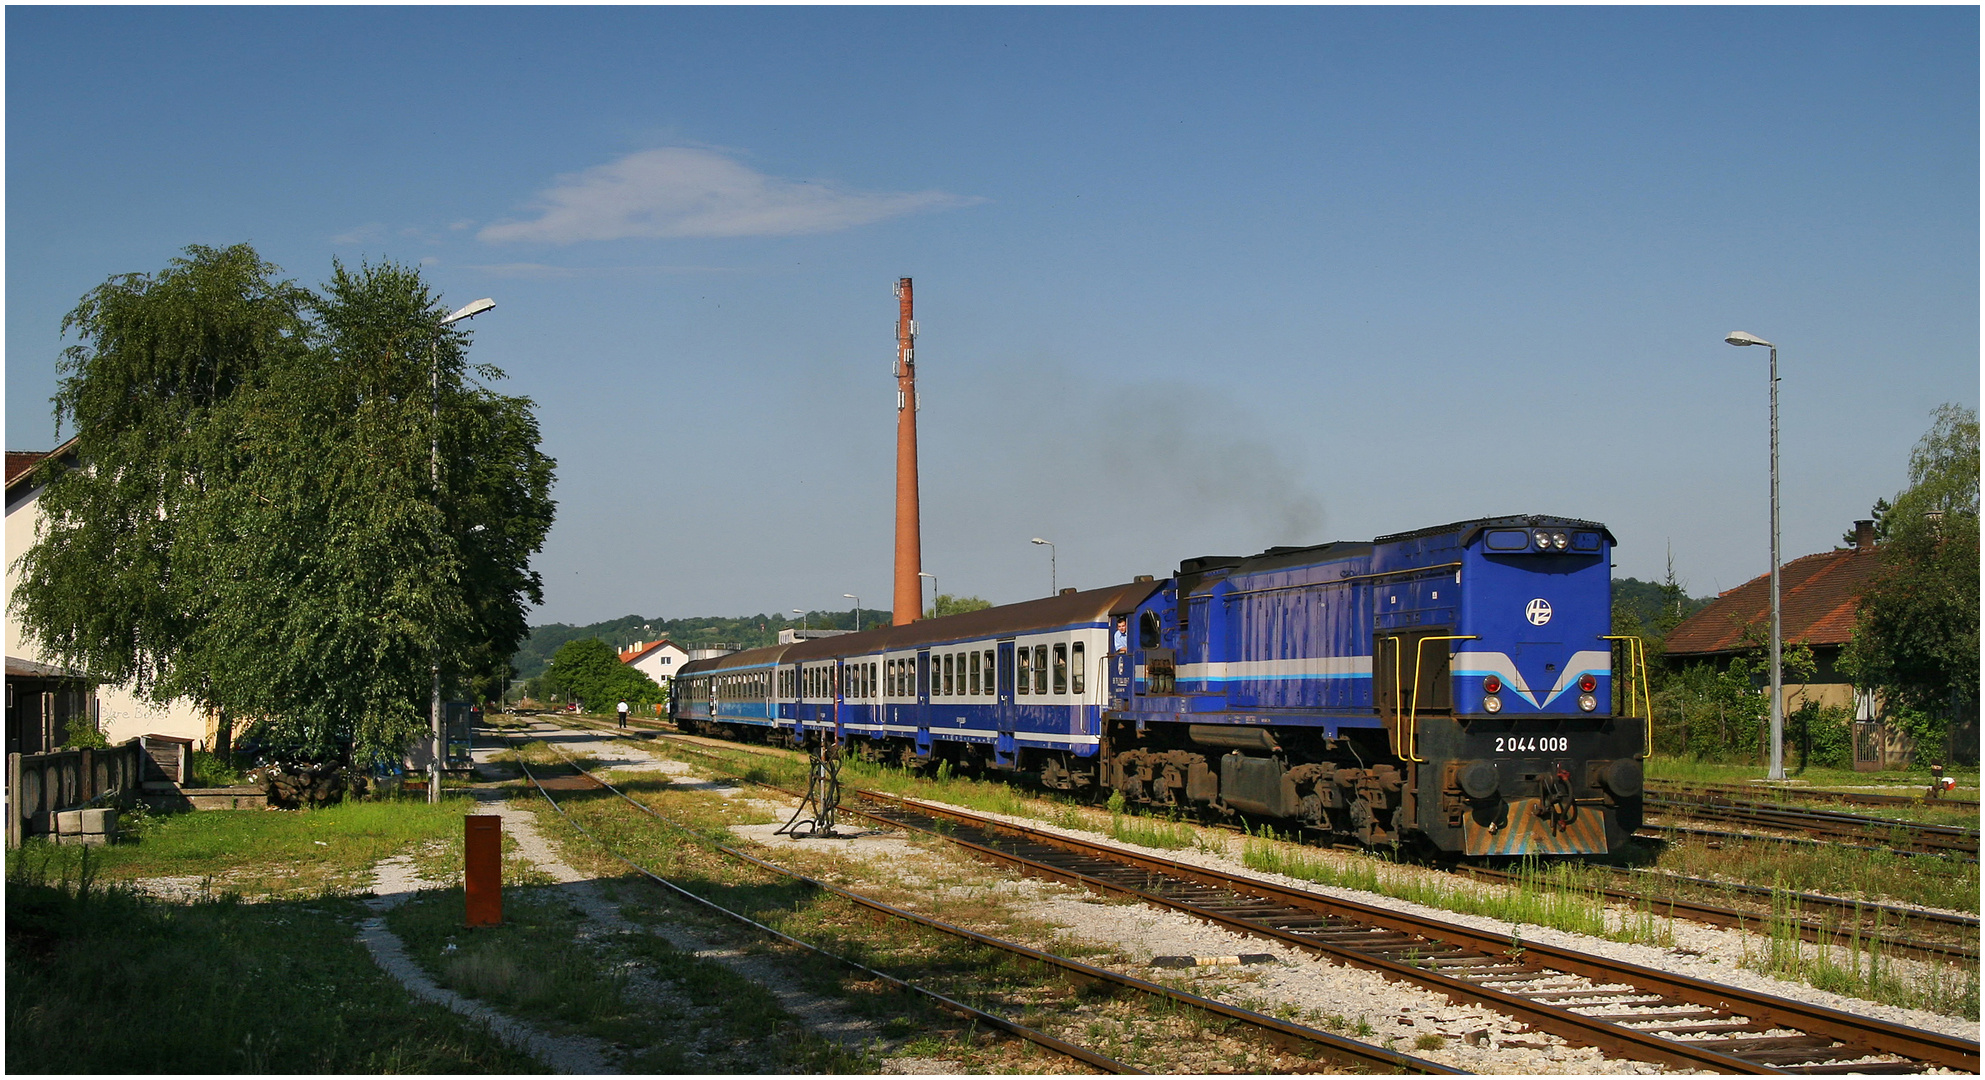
{"x": 1649, "y": 600}
{"x": 733, "y": 631}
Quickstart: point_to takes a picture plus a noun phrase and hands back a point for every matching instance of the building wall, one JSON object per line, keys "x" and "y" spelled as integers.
{"x": 123, "y": 714}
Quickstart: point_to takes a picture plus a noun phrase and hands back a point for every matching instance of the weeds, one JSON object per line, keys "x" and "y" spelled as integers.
{"x": 1859, "y": 969}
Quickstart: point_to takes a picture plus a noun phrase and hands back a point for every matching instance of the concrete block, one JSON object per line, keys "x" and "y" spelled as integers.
{"x": 100, "y": 822}
{"x": 68, "y": 822}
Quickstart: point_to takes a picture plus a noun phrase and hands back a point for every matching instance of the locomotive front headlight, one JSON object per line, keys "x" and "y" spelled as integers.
{"x": 1492, "y": 703}
{"x": 1587, "y": 702}
{"x": 1543, "y": 540}
{"x": 1559, "y": 540}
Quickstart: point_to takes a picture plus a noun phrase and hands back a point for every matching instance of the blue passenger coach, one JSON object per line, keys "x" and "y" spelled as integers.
{"x": 1455, "y": 687}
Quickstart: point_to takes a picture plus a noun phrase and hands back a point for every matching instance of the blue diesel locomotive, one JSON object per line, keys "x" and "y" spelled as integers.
{"x": 1454, "y": 687}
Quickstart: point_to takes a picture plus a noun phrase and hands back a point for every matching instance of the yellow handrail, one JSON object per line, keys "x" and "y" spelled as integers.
{"x": 1409, "y": 734}
{"x": 1637, "y": 681}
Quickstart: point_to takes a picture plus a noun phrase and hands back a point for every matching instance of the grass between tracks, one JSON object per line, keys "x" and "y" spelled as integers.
{"x": 101, "y": 979}
{"x": 941, "y": 885}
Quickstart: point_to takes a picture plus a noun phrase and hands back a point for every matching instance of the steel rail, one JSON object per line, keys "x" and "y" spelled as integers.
{"x": 1714, "y": 915}
{"x": 1861, "y": 798}
{"x": 959, "y": 1008}
{"x": 1878, "y": 1037}
{"x": 1936, "y": 839}
{"x": 1946, "y": 919}
{"x": 1856, "y": 1033}
{"x": 1281, "y": 1031}
{"x": 1666, "y": 824}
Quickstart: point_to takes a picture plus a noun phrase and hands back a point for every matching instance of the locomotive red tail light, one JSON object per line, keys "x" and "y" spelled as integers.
{"x": 1492, "y": 685}
{"x": 1587, "y": 684}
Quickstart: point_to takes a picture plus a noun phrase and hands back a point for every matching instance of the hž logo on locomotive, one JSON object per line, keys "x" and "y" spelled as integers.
{"x": 1538, "y": 611}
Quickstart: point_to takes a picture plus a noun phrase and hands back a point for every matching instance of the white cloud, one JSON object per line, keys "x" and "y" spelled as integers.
{"x": 681, "y": 192}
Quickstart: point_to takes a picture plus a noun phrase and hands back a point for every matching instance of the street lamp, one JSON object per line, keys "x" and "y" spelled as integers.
{"x": 1053, "y": 582}
{"x": 933, "y": 590}
{"x": 802, "y": 616}
{"x": 1738, "y": 337}
{"x": 467, "y": 311}
{"x": 858, "y": 610}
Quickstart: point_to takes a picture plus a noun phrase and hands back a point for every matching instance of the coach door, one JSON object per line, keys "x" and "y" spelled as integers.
{"x": 923, "y": 701}
{"x": 1005, "y": 716}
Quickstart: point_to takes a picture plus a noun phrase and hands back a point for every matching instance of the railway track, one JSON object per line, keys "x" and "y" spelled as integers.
{"x": 1780, "y": 794}
{"x": 1286, "y": 1034}
{"x": 1585, "y": 999}
{"x": 1843, "y": 922}
{"x": 1829, "y": 826}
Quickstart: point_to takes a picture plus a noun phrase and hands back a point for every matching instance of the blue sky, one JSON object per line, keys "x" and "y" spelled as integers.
{"x": 1191, "y": 281}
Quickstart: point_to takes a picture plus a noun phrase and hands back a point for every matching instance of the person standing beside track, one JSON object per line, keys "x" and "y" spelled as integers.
{"x": 623, "y": 714}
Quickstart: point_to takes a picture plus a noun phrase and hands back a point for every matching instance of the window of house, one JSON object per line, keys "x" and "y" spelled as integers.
{"x": 1040, "y": 669}
{"x": 1078, "y": 667}
{"x": 1061, "y": 669}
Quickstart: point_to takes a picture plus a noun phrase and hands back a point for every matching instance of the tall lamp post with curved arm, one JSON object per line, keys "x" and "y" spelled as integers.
{"x": 933, "y": 591}
{"x": 468, "y": 311}
{"x": 1054, "y": 583}
{"x": 1738, "y": 337}
{"x": 858, "y": 610}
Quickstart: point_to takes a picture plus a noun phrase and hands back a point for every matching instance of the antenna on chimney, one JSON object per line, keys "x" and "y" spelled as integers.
{"x": 909, "y": 537}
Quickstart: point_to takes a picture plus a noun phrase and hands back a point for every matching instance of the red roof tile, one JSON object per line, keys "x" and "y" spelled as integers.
{"x": 1818, "y": 595}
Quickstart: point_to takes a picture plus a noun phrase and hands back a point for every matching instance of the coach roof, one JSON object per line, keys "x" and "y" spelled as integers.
{"x": 1046, "y": 613}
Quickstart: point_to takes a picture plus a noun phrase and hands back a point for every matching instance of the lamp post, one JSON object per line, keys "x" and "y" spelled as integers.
{"x": 1738, "y": 337}
{"x": 1054, "y": 583}
{"x": 467, "y": 311}
{"x": 802, "y": 616}
{"x": 858, "y": 610}
{"x": 933, "y": 590}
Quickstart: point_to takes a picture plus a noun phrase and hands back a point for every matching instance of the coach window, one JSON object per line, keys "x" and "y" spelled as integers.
{"x": 1061, "y": 669}
{"x": 1078, "y": 667}
{"x": 991, "y": 683}
{"x": 1025, "y": 682}
{"x": 975, "y": 674}
{"x": 1040, "y": 669}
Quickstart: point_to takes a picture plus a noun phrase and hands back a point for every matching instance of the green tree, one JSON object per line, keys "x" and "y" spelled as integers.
{"x": 108, "y": 586}
{"x": 947, "y": 604}
{"x": 314, "y": 575}
{"x": 589, "y": 671}
{"x": 1916, "y": 635}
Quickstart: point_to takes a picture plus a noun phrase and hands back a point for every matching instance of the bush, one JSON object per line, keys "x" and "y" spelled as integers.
{"x": 82, "y": 732}
{"x": 1822, "y": 734}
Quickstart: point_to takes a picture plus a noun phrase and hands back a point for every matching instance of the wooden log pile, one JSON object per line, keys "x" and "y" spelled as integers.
{"x": 301, "y": 783}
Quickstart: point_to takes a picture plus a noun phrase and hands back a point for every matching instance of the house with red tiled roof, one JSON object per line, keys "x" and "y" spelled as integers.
{"x": 1818, "y": 597}
{"x": 41, "y": 698}
{"x": 659, "y": 660}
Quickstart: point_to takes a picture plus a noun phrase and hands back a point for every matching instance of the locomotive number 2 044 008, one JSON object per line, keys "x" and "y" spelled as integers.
{"x": 1517, "y": 744}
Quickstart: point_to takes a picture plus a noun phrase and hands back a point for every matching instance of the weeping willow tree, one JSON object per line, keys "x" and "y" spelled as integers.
{"x": 254, "y": 524}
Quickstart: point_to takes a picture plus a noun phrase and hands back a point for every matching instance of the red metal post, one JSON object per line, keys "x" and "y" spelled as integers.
{"x": 482, "y": 862}
{"x": 909, "y": 540}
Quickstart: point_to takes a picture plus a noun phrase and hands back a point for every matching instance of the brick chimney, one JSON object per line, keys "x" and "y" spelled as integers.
{"x": 1864, "y": 535}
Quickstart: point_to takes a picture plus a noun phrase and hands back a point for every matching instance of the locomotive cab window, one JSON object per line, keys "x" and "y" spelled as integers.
{"x": 1149, "y": 632}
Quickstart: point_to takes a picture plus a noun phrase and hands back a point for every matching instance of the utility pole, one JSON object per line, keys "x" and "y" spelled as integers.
{"x": 909, "y": 537}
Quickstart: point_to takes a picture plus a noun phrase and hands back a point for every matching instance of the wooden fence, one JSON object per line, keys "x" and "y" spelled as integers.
{"x": 40, "y": 784}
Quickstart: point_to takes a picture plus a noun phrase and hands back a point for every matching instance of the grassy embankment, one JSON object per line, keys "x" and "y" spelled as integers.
{"x": 101, "y": 979}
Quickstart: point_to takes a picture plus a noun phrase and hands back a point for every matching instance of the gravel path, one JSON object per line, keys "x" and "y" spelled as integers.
{"x": 396, "y": 881}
